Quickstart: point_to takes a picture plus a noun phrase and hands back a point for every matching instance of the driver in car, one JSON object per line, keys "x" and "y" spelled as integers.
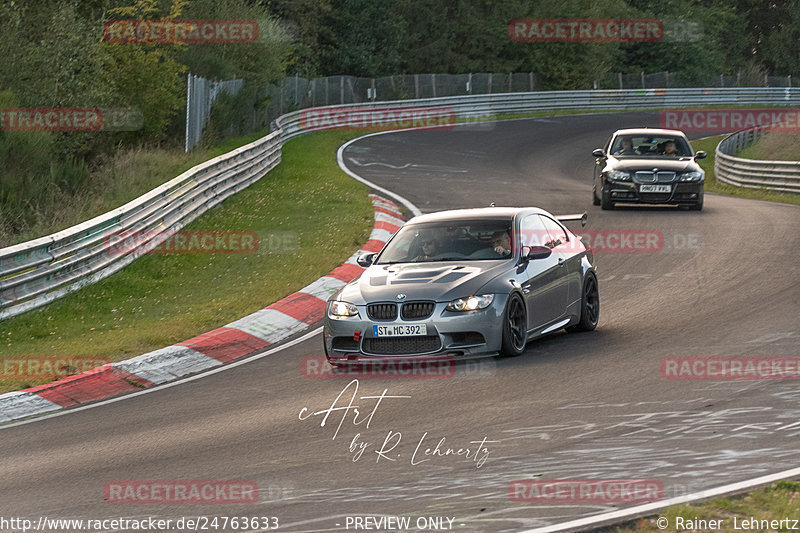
{"x": 501, "y": 243}
{"x": 429, "y": 249}
{"x": 627, "y": 147}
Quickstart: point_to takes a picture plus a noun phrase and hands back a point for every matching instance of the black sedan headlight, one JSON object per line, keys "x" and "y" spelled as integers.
{"x": 697, "y": 175}
{"x": 619, "y": 175}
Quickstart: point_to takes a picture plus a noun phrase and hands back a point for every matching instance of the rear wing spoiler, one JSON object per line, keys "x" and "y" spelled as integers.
{"x": 573, "y": 218}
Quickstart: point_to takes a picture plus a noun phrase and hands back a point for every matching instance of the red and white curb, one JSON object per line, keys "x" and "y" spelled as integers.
{"x": 236, "y": 340}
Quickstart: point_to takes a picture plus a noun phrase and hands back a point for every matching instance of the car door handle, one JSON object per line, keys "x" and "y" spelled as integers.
{"x": 561, "y": 261}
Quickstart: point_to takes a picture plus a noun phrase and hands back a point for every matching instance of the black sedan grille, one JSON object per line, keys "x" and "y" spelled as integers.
{"x": 654, "y": 177}
{"x": 401, "y": 345}
{"x": 417, "y": 310}
{"x": 386, "y": 311}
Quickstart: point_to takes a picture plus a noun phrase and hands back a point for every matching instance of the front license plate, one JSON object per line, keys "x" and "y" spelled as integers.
{"x": 655, "y": 188}
{"x": 399, "y": 330}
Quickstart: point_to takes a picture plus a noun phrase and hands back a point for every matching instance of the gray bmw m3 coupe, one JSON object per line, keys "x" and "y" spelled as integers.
{"x": 464, "y": 283}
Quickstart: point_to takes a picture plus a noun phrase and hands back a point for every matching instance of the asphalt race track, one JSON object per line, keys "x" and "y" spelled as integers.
{"x": 723, "y": 282}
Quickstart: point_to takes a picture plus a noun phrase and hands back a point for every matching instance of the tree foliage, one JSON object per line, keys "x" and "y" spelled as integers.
{"x": 378, "y": 38}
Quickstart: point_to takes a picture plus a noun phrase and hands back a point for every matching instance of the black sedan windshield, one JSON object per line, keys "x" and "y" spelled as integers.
{"x": 650, "y": 146}
{"x": 462, "y": 240}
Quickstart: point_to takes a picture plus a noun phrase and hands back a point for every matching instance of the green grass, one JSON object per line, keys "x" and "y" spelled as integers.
{"x": 709, "y": 145}
{"x": 774, "y": 146}
{"x": 779, "y": 501}
{"x": 162, "y": 299}
{"x": 119, "y": 179}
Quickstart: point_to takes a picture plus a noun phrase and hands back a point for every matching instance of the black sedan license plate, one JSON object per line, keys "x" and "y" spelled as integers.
{"x": 399, "y": 330}
{"x": 655, "y": 188}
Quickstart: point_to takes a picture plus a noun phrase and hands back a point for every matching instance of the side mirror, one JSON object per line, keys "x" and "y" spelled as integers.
{"x": 538, "y": 252}
{"x": 598, "y": 152}
{"x": 366, "y": 260}
{"x": 700, "y": 155}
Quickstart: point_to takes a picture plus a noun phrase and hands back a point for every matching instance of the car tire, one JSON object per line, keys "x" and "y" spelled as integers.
{"x": 590, "y": 305}
{"x": 699, "y": 205}
{"x": 605, "y": 201}
{"x": 515, "y": 327}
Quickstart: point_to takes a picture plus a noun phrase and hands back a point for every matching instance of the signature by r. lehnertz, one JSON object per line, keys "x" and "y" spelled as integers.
{"x": 345, "y": 407}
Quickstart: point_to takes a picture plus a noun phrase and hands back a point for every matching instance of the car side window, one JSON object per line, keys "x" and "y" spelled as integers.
{"x": 557, "y": 235}
{"x": 532, "y": 232}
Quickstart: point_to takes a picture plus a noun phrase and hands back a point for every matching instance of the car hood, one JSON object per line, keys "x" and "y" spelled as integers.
{"x": 642, "y": 163}
{"x": 422, "y": 281}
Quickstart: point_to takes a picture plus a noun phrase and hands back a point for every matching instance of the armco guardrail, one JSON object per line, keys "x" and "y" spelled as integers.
{"x": 488, "y": 104}
{"x": 39, "y": 271}
{"x": 774, "y": 175}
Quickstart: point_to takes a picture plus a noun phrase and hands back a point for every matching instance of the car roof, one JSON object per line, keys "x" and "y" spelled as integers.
{"x": 488, "y": 213}
{"x": 649, "y": 131}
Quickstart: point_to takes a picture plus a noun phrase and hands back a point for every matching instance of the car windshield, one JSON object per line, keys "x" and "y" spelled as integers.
{"x": 650, "y": 146}
{"x": 462, "y": 240}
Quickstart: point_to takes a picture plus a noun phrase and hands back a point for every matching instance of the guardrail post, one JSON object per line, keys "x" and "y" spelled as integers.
{"x": 188, "y": 108}
{"x": 433, "y": 84}
{"x": 530, "y": 75}
{"x": 469, "y": 84}
{"x": 619, "y": 79}
{"x": 642, "y": 79}
{"x": 489, "y": 91}
{"x": 416, "y": 85}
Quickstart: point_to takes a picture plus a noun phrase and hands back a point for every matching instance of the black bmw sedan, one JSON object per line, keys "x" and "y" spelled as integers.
{"x": 647, "y": 166}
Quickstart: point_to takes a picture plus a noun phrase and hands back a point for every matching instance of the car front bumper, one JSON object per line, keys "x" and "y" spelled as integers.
{"x": 681, "y": 193}
{"x": 462, "y": 335}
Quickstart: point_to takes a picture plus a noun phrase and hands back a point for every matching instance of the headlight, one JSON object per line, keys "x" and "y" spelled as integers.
{"x": 698, "y": 175}
{"x": 342, "y": 309}
{"x": 619, "y": 175}
{"x": 471, "y": 303}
